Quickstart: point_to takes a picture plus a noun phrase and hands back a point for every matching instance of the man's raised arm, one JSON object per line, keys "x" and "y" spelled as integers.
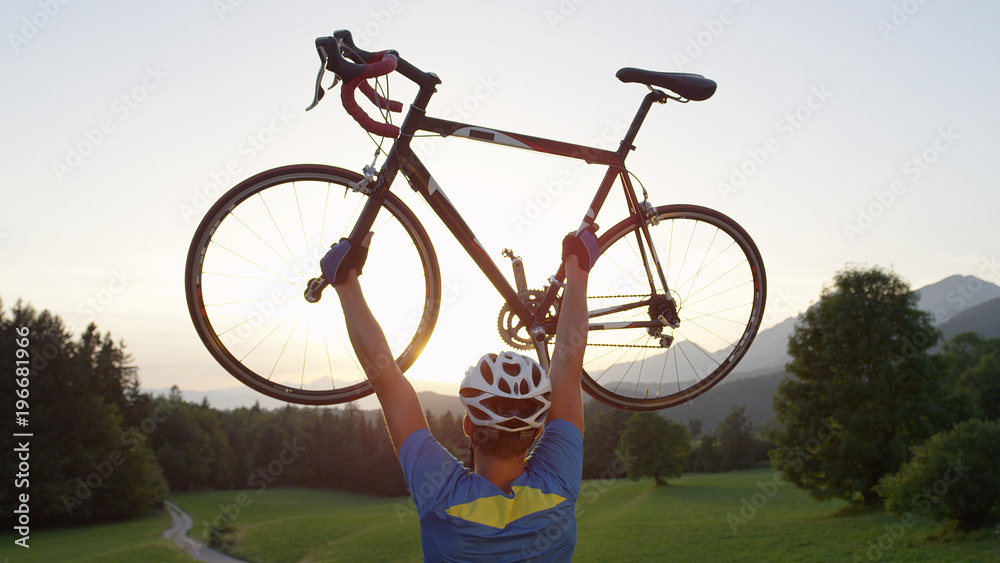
{"x": 400, "y": 405}
{"x": 579, "y": 254}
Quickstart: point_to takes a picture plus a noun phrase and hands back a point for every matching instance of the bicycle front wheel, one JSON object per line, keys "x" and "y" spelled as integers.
{"x": 715, "y": 276}
{"x": 252, "y": 257}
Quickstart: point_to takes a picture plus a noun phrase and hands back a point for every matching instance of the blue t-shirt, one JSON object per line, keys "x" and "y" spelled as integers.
{"x": 465, "y": 517}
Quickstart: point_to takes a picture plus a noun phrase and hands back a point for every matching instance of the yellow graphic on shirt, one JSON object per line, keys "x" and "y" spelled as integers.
{"x": 498, "y": 511}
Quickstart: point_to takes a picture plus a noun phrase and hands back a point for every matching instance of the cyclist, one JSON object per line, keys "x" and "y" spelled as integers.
{"x": 505, "y": 507}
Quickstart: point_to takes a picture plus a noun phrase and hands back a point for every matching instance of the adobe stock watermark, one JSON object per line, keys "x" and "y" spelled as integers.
{"x": 462, "y": 110}
{"x": 30, "y": 26}
{"x": 912, "y": 170}
{"x": 94, "y": 305}
{"x": 225, "y": 177}
{"x": 121, "y": 108}
{"x": 779, "y": 306}
{"x": 562, "y": 524}
{"x": 786, "y": 127}
{"x": 104, "y": 469}
{"x": 901, "y": 14}
{"x": 923, "y": 501}
{"x": 224, "y": 8}
{"x": 536, "y": 204}
{"x": 378, "y": 21}
{"x": 427, "y": 490}
{"x": 712, "y": 29}
{"x": 451, "y": 290}
{"x": 561, "y": 12}
{"x": 247, "y": 324}
{"x": 766, "y": 489}
{"x": 259, "y": 481}
{"x": 254, "y": 317}
{"x": 963, "y": 294}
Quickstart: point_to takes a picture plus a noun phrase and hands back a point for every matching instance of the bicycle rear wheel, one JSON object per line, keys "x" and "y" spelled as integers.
{"x": 249, "y": 264}
{"x": 716, "y": 277}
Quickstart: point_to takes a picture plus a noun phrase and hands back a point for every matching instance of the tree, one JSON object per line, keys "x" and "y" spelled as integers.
{"x": 954, "y": 475}
{"x": 447, "y": 429}
{"x": 972, "y": 365}
{"x": 191, "y": 446}
{"x": 739, "y": 448}
{"x": 88, "y": 467}
{"x": 694, "y": 428}
{"x": 603, "y": 429}
{"x": 705, "y": 457}
{"x": 652, "y": 446}
{"x": 733, "y": 446}
{"x": 863, "y": 388}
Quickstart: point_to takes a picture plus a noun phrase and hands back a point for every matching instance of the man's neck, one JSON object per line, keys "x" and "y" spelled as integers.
{"x": 500, "y": 472}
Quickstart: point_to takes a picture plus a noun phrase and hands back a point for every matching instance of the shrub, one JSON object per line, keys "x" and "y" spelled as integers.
{"x": 954, "y": 475}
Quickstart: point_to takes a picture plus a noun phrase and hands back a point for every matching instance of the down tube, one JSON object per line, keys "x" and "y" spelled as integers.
{"x": 421, "y": 181}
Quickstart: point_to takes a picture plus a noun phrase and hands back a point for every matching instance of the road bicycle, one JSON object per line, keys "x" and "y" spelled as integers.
{"x": 675, "y": 297}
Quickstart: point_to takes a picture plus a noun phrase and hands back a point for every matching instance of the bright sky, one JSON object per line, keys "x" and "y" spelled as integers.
{"x": 843, "y": 132}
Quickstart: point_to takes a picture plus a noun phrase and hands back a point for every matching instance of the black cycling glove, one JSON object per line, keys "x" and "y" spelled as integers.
{"x": 342, "y": 258}
{"x": 583, "y": 245}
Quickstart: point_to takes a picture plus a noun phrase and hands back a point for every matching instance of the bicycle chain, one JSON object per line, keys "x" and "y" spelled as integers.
{"x": 614, "y": 296}
{"x": 626, "y": 346}
{"x": 505, "y": 335}
{"x": 621, "y": 345}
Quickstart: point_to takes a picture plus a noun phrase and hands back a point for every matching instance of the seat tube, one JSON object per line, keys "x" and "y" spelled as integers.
{"x": 624, "y": 148}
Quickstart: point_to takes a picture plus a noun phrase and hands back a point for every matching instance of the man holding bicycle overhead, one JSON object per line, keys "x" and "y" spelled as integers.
{"x": 506, "y": 507}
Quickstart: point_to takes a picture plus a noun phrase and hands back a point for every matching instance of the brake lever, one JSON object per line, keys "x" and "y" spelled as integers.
{"x": 319, "y": 78}
{"x": 319, "y": 85}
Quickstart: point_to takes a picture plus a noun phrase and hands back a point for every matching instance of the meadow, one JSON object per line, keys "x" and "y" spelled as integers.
{"x": 739, "y": 516}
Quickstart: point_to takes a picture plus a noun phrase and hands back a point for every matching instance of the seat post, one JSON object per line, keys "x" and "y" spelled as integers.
{"x": 654, "y": 96}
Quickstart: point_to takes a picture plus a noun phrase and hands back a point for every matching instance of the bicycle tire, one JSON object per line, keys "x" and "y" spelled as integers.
{"x": 716, "y": 277}
{"x": 252, "y": 256}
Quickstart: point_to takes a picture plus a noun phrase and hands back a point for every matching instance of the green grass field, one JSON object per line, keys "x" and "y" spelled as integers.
{"x": 744, "y": 516}
{"x": 139, "y": 540}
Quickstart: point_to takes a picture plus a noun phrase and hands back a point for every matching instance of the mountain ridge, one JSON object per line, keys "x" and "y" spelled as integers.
{"x": 944, "y": 301}
{"x": 956, "y": 304}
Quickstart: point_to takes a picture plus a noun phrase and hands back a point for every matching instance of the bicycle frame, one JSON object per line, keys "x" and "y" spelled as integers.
{"x": 401, "y": 158}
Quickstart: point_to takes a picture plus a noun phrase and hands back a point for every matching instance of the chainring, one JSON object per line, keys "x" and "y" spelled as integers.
{"x": 512, "y": 330}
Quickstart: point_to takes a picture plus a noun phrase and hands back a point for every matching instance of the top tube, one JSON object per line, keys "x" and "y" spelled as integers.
{"x": 447, "y": 128}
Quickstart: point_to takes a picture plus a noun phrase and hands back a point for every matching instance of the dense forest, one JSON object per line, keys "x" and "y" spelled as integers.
{"x": 102, "y": 450}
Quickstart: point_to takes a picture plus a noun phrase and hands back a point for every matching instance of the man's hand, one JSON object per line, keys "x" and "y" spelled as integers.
{"x": 583, "y": 245}
{"x": 344, "y": 257}
{"x": 400, "y": 405}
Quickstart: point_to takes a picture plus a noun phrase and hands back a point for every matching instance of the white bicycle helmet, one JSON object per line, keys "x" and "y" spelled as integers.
{"x": 508, "y": 392}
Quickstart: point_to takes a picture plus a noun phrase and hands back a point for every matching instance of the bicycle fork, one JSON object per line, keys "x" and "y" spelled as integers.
{"x": 314, "y": 288}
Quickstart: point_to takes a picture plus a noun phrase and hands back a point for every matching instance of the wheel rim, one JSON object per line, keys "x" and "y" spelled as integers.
{"x": 715, "y": 275}
{"x": 252, "y": 258}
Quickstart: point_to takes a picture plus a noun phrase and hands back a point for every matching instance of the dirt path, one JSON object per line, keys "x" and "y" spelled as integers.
{"x": 180, "y": 524}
